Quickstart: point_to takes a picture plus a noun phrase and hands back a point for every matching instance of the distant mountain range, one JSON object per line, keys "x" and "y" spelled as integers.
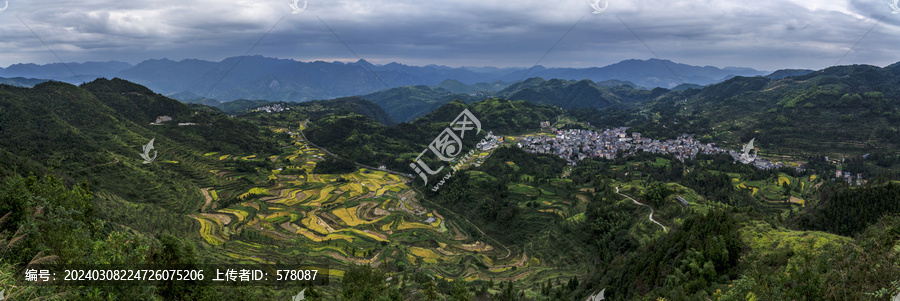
{"x": 75, "y": 73}
{"x": 257, "y": 77}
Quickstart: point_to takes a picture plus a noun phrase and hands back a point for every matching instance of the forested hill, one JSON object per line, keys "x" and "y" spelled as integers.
{"x": 21, "y": 81}
{"x": 95, "y": 133}
{"x": 365, "y": 141}
{"x": 407, "y": 103}
{"x": 579, "y": 94}
{"x": 410, "y": 102}
{"x": 316, "y": 109}
{"x": 844, "y": 109}
{"x": 74, "y": 188}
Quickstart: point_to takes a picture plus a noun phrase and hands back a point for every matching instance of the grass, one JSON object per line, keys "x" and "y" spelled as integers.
{"x": 578, "y": 218}
{"x": 243, "y": 257}
{"x": 363, "y": 234}
{"x": 522, "y": 189}
{"x": 254, "y": 190}
{"x": 387, "y": 227}
{"x": 311, "y": 223}
{"x": 782, "y": 180}
{"x": 357, "y": 188}
{"x": 310, "y": 234}
{"x": 241, "y": 215}
{"x": 324, "y": 194}
{"x": 424, "y": 253}
{"x": 404, "y": 225}
{"x": 206, "y": 231}
{"x": 292, "y": 199}
{"x": 277, "y": 217}
{"x": 348, "y": 216}
{"x": 332, "y": 236}
{"x": 765, "y": 239}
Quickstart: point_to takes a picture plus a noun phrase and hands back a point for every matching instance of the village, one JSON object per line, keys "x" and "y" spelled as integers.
{"x": 273, "y": 108}
{"x": 577, "y": 144}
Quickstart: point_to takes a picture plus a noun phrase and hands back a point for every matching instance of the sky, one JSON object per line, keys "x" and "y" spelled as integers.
{"x": 761, "y": 34}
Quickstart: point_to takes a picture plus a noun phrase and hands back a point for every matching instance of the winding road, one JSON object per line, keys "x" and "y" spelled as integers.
{"x": 648, "y": 206}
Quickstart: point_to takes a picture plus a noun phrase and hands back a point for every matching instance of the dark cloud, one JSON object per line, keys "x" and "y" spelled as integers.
{"x": 765, "y": 34}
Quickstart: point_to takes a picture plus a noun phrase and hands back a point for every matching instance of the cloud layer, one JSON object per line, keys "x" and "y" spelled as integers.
{"x": 763, "y": 34}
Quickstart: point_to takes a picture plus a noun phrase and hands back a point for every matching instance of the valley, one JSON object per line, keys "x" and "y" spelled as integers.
{"x": 531, "y": 218}
{"x": 363, "y": 217}
{"x": 449, "y": 151}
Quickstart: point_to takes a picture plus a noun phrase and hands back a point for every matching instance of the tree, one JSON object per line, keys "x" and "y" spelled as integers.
{"x": 430, "y": 292}
{"x": 787, "y": 188}
{"x": 657, "y": 193}
{"x": 460, "y": 293}
{"x": 364, "y": 283}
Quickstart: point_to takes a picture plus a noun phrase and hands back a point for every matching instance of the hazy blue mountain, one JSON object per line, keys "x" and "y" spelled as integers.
{"x": 75, "y": 73}
{"x": 647, "y": 73}
{"x": 257, "y": 77}
{"x": 166, "y": 76}
{"x": 21, "y": 81}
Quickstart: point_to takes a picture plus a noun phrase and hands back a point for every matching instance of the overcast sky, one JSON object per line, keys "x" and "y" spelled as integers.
{"x": 762, "y": 34}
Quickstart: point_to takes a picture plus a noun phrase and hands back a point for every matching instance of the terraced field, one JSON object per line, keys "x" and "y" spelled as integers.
{"x": 362, "y": 217}
{"x": 774, "y": 190}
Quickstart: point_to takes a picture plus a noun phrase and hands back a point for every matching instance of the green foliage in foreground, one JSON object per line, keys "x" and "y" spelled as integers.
{"x": 839, "y": 210}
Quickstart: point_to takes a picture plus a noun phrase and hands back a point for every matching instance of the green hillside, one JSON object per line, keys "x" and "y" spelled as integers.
{"x": 507, "y": 225}
{"x": 578, "y": 94}
{"x": 407, "y": 103}
{"x": 359, "y": 139}
{"x": 839, "y": 110}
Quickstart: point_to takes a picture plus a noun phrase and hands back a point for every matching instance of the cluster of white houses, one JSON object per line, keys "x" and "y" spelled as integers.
{"x": 847, "y": 176}
{"x": 278, "y": 107}
{"x": 576, "y": 144}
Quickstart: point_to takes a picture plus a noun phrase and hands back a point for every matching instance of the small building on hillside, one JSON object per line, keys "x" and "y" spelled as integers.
{"x": 162, "y": 119}
{"x": 682, "y": 200}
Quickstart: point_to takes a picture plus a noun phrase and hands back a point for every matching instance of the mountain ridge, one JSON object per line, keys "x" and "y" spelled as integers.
{"x": 278, "y": 79}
